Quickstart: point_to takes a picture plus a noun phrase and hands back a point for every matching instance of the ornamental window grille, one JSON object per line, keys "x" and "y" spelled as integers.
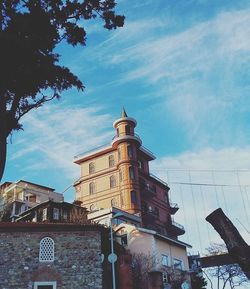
{"x": 111, "y": 161}
{"x": 46, "y": 251}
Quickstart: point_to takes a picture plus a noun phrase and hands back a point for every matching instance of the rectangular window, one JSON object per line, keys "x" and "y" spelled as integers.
{"x": 55, "y": 213}
{"x": 178, "y": 264}
{"x": 164, "y": 260}
{"x": 133, "y": 197}
{"x": 131, "y": 173}
{"x": 130, "y": 152}
{"x": 45, "y": 285}
{"x": 45, "y": 214}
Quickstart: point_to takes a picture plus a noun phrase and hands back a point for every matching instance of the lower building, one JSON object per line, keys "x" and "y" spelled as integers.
{"x": 18, "y": 197}
{"x": 154, "y": 255}
{"x": 51, "y": 256}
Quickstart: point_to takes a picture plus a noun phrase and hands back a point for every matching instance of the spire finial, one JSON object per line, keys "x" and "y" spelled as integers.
{"x": 124, "y": 114}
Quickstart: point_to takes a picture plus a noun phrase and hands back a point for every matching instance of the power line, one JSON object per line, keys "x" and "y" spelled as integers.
{"x": 202, "y": 170}
{"x": 206, "y": 184}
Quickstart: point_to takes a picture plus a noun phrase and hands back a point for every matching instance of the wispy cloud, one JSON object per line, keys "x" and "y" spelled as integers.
{"x": 55, "y": 134}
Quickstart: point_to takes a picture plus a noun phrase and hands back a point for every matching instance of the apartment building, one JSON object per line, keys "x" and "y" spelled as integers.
{"x": 118, "y": 176}
{"x": 22, "y": 195}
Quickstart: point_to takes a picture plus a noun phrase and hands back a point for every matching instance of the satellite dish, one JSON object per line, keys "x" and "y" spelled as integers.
{"x": 102, "y": 257}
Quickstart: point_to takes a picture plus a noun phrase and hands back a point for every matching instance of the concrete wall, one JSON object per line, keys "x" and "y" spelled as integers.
{"x": 77, "y": 261}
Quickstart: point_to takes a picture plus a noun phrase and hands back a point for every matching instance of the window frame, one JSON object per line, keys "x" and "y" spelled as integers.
{"x": 41, "y": 248}
{"x": 41, "y": 283}
{"x": 131, "y": 173}
{"x": 91, "y": 168}
{"x": 91, "y": 188}
{"x": 130, "y": 152}
{"x": 112, "y": 181}
{"x": 180, "y": 262}
{"x": 111, "y": 161}
{"x": 166, "y": 257}
{"x": 56, "y": 214}
{"x": 133, "y": 197}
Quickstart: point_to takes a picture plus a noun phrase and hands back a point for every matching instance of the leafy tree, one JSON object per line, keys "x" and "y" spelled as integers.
{"x": 30, "y": 30}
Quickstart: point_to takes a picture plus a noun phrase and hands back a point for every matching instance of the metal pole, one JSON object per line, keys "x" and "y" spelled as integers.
{"x": 112, "y": 252}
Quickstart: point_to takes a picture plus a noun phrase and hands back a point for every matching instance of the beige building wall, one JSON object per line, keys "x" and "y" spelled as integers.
{"x": 149, "y": 244}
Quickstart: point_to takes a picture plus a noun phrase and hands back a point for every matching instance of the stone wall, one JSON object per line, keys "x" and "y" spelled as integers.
{"x": 77, "y": 262}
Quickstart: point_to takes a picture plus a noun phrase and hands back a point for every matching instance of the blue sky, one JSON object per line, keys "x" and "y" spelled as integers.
{"x": 181, "y": 68}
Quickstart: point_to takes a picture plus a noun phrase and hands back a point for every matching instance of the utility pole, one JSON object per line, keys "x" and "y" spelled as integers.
{"x": 237, "y": 248}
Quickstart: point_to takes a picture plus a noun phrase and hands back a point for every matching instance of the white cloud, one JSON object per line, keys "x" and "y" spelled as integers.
{"x": 56, "y": 134}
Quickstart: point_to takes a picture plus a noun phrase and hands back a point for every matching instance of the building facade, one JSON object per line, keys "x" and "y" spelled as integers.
{"x": 20, "y": 196}
{"x": 51, "y": 256}
{"x": 118, "y": 176}
{"x": 118, "y": 189}
{"x": 55, "y": 212}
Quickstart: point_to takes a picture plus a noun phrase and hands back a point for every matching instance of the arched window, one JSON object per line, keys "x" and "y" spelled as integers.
{"x": 91, "y": 188}
{"x": 111, "y": 161}
{"x": 46, "y": 251}
{"x": 112, "y": 181}
{"x": 131, "y": 173}
{"x": 133, "y": 197}
{"x": 91, "y": 168}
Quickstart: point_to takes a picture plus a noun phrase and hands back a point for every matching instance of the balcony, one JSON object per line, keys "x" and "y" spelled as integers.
{"x": 173, "y": 208}
{"x": 124, "y": 136}
{"x": 175, "y": 228}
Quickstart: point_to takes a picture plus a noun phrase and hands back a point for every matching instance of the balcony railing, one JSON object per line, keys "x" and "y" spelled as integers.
{"x": 126, "y": 134}
{"x": 178, "y": 225}
{"x": 175, "y": 228}
{"x": 173, "y": 208}
{"x": 91, "y": 151}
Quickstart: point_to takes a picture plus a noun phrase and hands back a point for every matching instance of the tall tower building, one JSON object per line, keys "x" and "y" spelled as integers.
{"x": 118, "y": 176}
